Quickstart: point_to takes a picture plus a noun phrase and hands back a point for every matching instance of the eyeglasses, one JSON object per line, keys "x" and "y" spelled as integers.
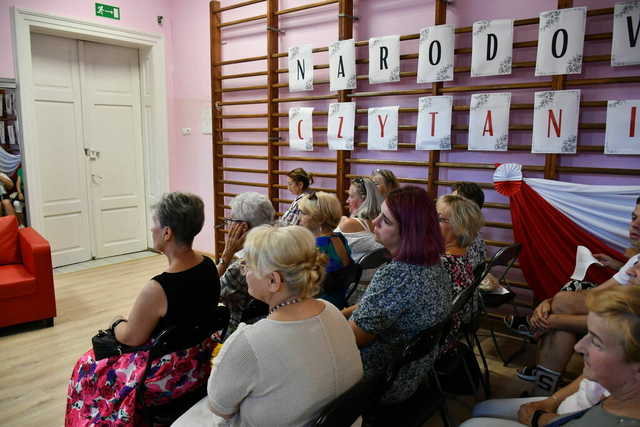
{"x": 443, "y": 219}
{"x": 363, "y": 188}
{"x": 228, "y": 222}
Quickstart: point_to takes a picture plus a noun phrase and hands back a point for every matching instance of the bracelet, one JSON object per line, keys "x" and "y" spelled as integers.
{"x": 536, "y": 417}
{"x": 116, "y": 323}
{"x": 221, "y": 261}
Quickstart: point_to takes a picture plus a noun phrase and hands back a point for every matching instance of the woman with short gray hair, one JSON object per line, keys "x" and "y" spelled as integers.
{"x": 248, "y": 210}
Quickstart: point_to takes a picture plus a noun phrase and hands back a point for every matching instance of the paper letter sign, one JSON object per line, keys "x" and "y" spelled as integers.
{"x": 625, "y": 48}
{"x": 435, "y": 54}
{"x": 341, "y": 125}
{"x": 560, "y": 41}
{"x": 434, "y": 123}
{"x": 342, "y": 65}
{"x": 623, "y": 127}
{"x": 492, "y": 49}
{"x": 300, "y": 68}
{"x": 555, "y": 121}
{"x": 301, "y": 128}
{"x": 383, "y": 128}
{"x": 489, "y": 121}
{"x": 384, "y": 59}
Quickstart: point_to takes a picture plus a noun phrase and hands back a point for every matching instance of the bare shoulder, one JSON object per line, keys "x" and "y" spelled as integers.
{"x": 350, "y": 225}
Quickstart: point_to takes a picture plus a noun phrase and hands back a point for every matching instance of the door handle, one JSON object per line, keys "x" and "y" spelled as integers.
{"x": 97, "y": 179}
{"x": 91, "y": 154}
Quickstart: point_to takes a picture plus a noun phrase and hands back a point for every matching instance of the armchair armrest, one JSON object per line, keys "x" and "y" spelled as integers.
{"x": 35, "y": 252}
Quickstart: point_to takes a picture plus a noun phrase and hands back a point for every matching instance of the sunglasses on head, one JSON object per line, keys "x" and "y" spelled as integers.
{"x": 360, "y": 182}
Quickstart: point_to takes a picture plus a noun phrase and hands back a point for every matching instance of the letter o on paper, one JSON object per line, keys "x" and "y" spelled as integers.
{"x": 554, "y": 43}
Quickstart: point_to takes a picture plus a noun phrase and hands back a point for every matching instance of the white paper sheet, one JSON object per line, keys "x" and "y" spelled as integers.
{"x": 435, "y": 54}
{"x": 555, "y": 121}
{"x": 434, "y": 123}
{"x": 492, "y": 48}
{"x": 622, "y": 134}
{"x": 11, "y": 133}
{"x": 561, "y": 41}
{"x": 301, "y": 128}
{"x": 584, "y": 258}
{"x": 383, "y": 128}
{"x": 3, "y": 138}
{"x": 342, "y": 65}
{"x": 625, "y": 47}
{"x": 341, "y": 125}
{"x": 300, "y": 68}
{"x": 489, "y": 121}
{"x": 384, "y": 59}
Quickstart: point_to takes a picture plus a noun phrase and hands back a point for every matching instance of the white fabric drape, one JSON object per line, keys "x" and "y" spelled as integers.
{"x": 602, "y": 210}
{"x": 8, "y": 162}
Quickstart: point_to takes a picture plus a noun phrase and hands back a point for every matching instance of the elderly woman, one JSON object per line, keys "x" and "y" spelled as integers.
{"x": 321, "y": 213}
{"x": 282, "y": 370}
{"x": 611, "y": 352}
{"x": 460, "y": 221}
{"x": 385, "y": 180}
{"x": 298, "y": 182}
{"x": 363, "y": 202}
{"x": 248, "y": 210}
{"x": 407, "y": 295}
{"x": 477, "y": 250}
{"x": 183, "y": 296}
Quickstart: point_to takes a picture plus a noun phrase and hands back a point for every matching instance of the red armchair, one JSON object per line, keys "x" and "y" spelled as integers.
{"x": 26, "y": 275}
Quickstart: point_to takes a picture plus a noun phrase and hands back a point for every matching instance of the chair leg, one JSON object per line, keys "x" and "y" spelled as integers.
{"x": 486, "y": 384}
{"x": 497, "y": 347}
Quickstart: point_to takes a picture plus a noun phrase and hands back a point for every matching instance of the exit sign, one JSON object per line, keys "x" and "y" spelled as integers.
{"x": 107, "y": 11}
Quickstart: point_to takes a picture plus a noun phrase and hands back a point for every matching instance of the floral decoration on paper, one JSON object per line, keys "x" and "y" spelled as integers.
{"x": 505, "y": 66}
{"x": 544, "y": 99}
{"x": 395, "y": 73}
{"x": 569, "y": 145}
{"x": 501, "y": 143}
{"x": 308, "y": 85}
{"x": 424, "y": 104}
{"x": 334, "y": 49}
{"x": 445, "y": 143}
{"x": 480, "y": 27}
{"x": 626, "y": 8}
{"x": 351, "y": 84}
{"x": 617, "y": 103}
{"x": 575, "y": 65}
{"x": 392, "y": 143}
{"x": 480, "y": 100}
{"x": 424, "y": 33}
{"x": 294, "y": 113}
{"x": 550, "y": 19}
{"x": 444, "y": 73}
{"x": 334, "y": 109}
{"x": 294, "y": 52}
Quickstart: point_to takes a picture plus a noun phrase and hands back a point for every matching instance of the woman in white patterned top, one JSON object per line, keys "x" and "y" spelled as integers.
{"x": 298, "y": 182}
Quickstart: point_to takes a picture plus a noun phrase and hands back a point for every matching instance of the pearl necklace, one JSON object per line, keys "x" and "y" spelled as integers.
{"x": 286, "y": 302}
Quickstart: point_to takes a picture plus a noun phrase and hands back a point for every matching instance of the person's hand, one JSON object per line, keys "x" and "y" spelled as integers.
{"x": 607, "y": 261}
{"x": 20, "y": 196}
{"x": 235, "y": 238}
{"x": 526, "y": 411}
{"x": 540, "y": 317}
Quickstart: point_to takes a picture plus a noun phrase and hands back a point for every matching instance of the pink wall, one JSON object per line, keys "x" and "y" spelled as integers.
{"x": 186, "y": 31}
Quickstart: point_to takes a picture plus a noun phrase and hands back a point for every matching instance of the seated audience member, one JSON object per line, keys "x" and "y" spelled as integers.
{"x": 385, "y": 180}
{"x": 298, "y": 182}
{"x": 477, "y": 250}
{"x": 321, "y": 213}
{"x": 460, "y": 221}
{"x": 282, "y": 370}
{"x": 6, "y": 184}
{"x": 407, "y": 295}
{"x": 608, "y": 392}
{"x": 562, "y": 319}
{"x": 248, "y": 210}
{"x": 184, "y": 295}
{"x": 363, "y": 202}
{"x": 17, "y": 197}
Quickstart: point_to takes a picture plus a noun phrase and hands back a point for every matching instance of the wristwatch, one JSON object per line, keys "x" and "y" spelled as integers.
{"x": 536, "y": 417}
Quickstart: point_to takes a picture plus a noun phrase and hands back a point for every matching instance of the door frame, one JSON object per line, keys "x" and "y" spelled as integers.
{"x": 153, "y": 97}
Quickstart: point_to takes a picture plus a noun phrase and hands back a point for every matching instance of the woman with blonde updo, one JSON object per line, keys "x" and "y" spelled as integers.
{"x": 283, "y": 369}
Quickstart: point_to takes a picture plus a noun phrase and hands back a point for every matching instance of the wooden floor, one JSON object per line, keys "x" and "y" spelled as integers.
{"x": 36, "y": 362}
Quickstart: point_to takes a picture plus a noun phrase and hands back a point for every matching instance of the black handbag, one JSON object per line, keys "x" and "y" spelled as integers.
{"x": 106, "y": 345}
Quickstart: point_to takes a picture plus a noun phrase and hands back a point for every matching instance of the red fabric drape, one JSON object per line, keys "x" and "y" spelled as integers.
{"x": 549, "y": 241}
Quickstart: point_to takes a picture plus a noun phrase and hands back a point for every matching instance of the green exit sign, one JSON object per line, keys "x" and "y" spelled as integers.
{"x": 107, "y": 11}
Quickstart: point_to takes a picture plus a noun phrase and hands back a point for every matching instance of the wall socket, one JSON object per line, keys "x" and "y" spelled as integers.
{"x": 186, "y": 131}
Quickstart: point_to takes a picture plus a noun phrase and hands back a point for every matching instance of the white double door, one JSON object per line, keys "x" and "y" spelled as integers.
{"x": 89, "y": 148}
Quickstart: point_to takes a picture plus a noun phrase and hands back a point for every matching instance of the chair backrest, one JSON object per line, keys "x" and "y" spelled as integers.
{"x": 504, "y": 257}
{"x": 374, "y": 259}
{"x": 346, "y": 278}
{"x": 462, "y": 299}
{"x": 423, "y": 344}
{"x": 346, "y": 409}
{"x": 172, "y": 339}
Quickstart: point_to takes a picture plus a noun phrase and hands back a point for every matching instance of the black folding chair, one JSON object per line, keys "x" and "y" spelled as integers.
{"x": 369, "y": 261}
{"x": 505, "y": 257}
{"x": 428, "y": 399}
{"x": 343, "y": 281}
{"x": 168, "y": 341}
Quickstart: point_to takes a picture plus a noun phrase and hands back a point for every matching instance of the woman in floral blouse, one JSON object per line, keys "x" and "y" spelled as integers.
{"x": 407, "y": 295}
